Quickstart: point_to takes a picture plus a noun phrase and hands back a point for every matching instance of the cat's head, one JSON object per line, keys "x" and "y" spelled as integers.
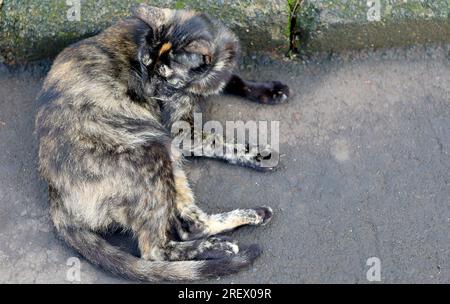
{"x": 189, "y": 51}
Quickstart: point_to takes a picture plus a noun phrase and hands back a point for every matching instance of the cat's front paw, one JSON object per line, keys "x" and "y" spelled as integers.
{"x": 251, "y": 156}
{"x": 265, "y": 214}
{"x": 264, "y": 160}
{"x": 273, "y": 92}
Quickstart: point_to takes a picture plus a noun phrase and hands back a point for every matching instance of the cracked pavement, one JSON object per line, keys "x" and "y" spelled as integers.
{"x": 364, "y": 172}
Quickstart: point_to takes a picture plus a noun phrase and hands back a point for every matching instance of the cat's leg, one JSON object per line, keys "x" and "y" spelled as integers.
{"x": 153, "y": 216}
{"x": 214, "y": 146}
{"x": 200, "y": 224}
{"x": 196, "y": 223}
{"x": 209, "y": 248}
{"x": 155, "y": 242}
{"x": 269, "y": 92}
{"x": 213, "y": 247}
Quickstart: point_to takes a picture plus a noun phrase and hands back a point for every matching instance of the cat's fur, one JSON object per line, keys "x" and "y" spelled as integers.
{"x": 105, "y": 144}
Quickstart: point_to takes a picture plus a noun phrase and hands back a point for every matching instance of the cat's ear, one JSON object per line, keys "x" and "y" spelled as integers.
{"x": 203, "y": 48}
{"x": 154, "y": 16}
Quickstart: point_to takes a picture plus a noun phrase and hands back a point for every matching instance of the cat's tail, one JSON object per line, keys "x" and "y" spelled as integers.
{"x": 99, "y": 252}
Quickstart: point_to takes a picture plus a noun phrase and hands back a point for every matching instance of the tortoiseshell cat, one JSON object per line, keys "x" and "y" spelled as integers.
{"x": 105, "y": 144}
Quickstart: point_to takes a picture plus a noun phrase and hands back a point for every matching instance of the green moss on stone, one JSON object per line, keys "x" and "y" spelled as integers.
{"x": 32, "y": 29}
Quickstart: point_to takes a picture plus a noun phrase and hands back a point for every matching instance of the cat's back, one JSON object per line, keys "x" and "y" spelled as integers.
{"x": 87, "y": 81}
{"x": 101, "y": 60}
{"x": 91, "y": 72}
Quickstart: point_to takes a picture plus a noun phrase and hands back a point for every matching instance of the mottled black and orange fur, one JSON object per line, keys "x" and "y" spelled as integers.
{"x": 104, "y": 126}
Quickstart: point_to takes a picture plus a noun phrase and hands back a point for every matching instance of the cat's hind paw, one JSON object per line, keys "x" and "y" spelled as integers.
{"x": 217, "y": 247}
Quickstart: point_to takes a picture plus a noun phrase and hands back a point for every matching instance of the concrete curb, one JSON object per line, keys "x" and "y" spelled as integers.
{"x": 348, "y": 24}
{"x": 31, "y": 30}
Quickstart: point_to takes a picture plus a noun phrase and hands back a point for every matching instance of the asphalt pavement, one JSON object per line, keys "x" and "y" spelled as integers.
{"x": 364, "y": 172}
